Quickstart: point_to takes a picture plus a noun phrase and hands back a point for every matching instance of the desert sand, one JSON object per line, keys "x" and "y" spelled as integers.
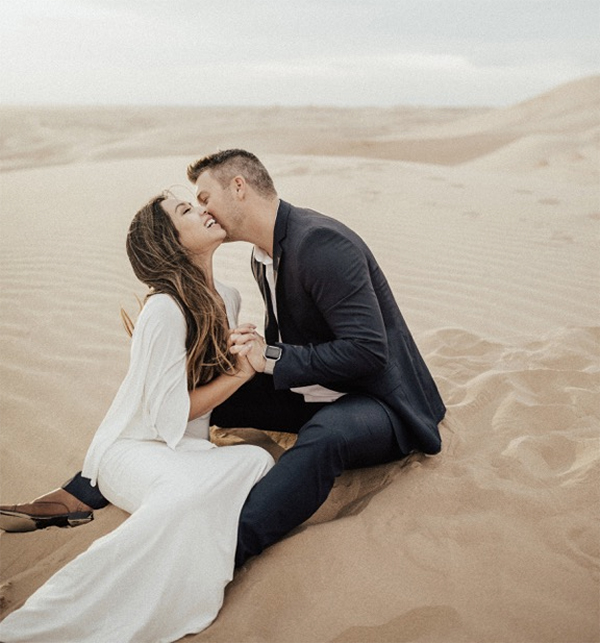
{"x": 487, "y": 224}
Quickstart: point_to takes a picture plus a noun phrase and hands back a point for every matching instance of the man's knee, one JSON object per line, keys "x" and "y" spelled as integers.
{"x": 360, "y": 428}
{"x": 322, "y": 438}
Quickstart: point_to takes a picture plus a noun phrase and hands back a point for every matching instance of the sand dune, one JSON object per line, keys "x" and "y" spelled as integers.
{"x": 568, "y": 109}
{"x": 48, "y": 136}
{"x": 566, "y": 116}
{"x": 486, "y": 223}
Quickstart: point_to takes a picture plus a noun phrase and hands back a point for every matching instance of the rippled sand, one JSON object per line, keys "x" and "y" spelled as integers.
{"x": 486, "y": 223}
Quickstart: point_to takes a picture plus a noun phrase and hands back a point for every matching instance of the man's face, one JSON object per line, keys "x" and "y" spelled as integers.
{"x": 220, "y": 203}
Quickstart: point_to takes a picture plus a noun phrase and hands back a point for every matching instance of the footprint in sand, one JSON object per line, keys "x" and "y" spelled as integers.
{"x": 539, "y": 457}
{"x": 354, "y": 490}
{"x": 419, "y": 624}
{"x": 5, "y": 594}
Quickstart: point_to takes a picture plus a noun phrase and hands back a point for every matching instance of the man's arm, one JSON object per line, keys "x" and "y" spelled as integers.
{"x": 336, "y": 275}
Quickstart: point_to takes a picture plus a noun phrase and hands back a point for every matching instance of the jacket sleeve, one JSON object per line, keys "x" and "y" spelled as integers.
{"x": 335, "y": 274}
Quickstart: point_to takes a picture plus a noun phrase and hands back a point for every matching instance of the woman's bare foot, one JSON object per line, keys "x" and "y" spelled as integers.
{"x": 58, "y": 508}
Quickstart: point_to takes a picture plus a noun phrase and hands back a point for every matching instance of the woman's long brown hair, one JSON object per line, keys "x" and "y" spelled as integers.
{"x": 160, "y": 261}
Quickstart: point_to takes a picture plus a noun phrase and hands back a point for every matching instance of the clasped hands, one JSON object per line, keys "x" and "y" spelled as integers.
{"x": 248, "y": 347}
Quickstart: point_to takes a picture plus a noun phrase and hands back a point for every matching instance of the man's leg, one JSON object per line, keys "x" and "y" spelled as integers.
{"x": 82, "y": 489}
{"x": 258, "y": 405}
{"x": 57, "y": 508}
{"x": 355, "y": 431}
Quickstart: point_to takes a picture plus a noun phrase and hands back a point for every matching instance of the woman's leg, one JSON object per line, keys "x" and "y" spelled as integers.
{"x": 161, "y": 574}
{"x": 256, "y": 404}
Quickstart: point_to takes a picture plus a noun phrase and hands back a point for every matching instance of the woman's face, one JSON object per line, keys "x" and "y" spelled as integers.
{"x": 199, "y": 233}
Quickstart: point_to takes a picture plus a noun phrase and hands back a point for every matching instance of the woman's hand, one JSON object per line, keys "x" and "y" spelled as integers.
{"x": 244, "y": 340}
{"x": 243, "y": 367}
{"x": 242, "y": 329}
{"x": 208, "y": 396}
{"x": 241, "y": 351}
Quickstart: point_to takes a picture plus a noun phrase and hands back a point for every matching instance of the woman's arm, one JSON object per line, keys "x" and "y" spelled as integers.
{"x": 206, "y": 397}
{"x": 155, "y": 388}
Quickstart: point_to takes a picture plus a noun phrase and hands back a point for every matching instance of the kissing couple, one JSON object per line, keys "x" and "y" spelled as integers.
{"x": 335, "y": 364}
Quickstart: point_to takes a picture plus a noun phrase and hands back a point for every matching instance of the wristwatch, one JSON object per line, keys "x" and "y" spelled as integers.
{"x": 272, "y": 355}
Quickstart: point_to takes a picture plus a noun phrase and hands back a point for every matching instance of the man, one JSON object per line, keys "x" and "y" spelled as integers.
{"x": 338, "y": 365}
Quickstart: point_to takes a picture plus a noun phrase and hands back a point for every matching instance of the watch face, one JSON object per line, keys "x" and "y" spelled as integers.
{"x": 272, "y": 352}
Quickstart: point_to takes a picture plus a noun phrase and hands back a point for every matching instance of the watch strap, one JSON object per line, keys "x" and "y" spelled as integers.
{"x": 272, "y": 356}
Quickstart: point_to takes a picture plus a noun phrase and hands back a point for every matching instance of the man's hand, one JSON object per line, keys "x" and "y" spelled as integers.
{"x": 244, "y": 339}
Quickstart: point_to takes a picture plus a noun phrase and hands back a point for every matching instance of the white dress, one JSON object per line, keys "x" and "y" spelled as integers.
{"x": 162, "y": 573}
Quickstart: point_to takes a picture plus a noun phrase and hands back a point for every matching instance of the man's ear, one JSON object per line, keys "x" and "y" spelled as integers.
{"x": 239, "y": 186}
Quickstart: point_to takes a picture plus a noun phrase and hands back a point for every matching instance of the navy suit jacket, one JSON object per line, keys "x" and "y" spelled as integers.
{"x": 341, "y": 327}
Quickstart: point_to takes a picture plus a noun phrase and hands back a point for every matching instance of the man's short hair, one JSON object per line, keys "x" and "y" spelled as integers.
{"x": 228, "y": 164}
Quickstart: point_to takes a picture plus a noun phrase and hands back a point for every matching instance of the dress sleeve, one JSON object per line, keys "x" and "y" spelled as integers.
{"x": 233, "y": 301}
{"x": 154, "y": 391}
{"x": 160, "y": 354}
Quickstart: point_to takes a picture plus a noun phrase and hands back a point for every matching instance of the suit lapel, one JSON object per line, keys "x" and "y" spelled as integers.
{"x": 259, "y": 270}
{"x": 279, "y": 234}
{"x": 271, "y": 327}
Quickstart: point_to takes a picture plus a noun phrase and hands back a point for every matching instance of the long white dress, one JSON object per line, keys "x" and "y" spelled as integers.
{"x": 162, "y": 573}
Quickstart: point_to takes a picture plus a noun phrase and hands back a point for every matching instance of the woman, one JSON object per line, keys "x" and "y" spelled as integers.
{"x": 161, "y": 574}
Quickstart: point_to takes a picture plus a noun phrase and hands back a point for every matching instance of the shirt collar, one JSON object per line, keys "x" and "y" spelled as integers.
{"x": 262, "y": 256}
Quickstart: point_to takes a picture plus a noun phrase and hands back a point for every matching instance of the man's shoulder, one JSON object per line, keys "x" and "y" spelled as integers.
{"x": 299, "y": 212}
{"x": 312, "y": 227}
{"x": 303, "y": 222}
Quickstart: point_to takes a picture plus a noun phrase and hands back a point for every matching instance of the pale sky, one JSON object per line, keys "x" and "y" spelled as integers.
{"x": 293, "y": 52}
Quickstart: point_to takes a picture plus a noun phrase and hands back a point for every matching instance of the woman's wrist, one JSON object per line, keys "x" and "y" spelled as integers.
{"x": 246, "y": 375}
